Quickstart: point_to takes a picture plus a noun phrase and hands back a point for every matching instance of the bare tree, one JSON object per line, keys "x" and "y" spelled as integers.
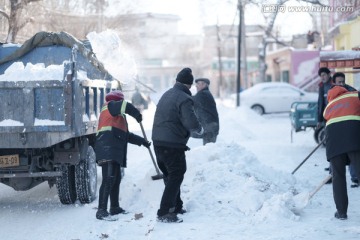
{"x": 268, "y": 34}
{"x": 15, "y": 19}
{"x": 270, "y": 18}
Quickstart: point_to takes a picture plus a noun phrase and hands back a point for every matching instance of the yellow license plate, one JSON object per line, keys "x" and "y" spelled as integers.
{"x": 9, "y": 161}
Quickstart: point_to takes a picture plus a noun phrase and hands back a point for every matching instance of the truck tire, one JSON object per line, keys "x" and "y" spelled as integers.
{"x": 66, "y": 185}
{"x": 319, "y": 135}
{"x": 86, "y": 177}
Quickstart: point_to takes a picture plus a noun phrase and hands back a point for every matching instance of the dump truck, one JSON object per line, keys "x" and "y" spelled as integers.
{"x": 48, "y": 123}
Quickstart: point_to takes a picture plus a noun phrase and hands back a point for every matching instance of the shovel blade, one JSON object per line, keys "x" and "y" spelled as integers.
{"x": 157, "y": 177}
{"x": 301, "y": 201}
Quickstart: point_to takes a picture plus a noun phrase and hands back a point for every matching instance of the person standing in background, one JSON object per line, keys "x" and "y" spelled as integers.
{"x": 139, "y": 101}
{"x": 206, "y": 111}
{"x": 324, "y": 86}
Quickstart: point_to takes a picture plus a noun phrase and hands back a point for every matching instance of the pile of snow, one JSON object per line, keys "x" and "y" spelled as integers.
{"x": 18, "y": 72}
{"x": 230, "y": 180}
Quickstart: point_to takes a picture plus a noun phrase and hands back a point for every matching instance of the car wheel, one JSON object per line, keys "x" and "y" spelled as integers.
{"x": 258, "y": 109}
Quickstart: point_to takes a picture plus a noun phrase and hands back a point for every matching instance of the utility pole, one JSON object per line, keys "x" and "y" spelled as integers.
{"x": 100, "y": 12}
{"x": 238, "y": 78}
{"x": 219, "y": 59}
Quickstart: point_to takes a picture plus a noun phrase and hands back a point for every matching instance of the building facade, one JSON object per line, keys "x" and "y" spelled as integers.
{"x": 345, "y": 25}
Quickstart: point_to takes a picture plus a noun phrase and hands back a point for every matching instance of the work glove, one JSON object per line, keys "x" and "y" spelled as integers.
{"x": 146, "y": 143}
{"x": 139, "y": 118}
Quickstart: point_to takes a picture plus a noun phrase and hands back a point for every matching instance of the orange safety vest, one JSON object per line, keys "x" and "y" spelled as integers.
{"x": 107, "y": 121}
{"x": 343, "y": 106}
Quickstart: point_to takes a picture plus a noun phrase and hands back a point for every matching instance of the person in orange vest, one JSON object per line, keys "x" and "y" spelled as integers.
{"x": 342, "y": 115}
{"x": 339, "y": 79}
{"x": 112, "y": 138}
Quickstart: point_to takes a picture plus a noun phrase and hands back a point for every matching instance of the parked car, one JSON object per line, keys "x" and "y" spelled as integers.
{"x": 274, "y": 97}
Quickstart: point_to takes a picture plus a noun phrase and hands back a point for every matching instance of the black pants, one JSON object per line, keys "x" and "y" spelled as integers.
{"x": 110, "y": 185}
{"x": 338, "y": 165}
{"x": 172, "y": 163}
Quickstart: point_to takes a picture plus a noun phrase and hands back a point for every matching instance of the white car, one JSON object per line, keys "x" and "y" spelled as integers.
{"x": 274, "y": 97}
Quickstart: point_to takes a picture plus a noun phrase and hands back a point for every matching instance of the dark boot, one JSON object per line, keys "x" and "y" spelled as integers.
{"x": 117, "y": 210}
{"x": 180, "y": 211}
{"x": 179, "y": 205}
{"x": 355, "y": 183}
{"x": 103, "y": 201}
{"x": 169, "y": 218}
{"x": 102, "y": 214}
{"x": 341, "y": 216}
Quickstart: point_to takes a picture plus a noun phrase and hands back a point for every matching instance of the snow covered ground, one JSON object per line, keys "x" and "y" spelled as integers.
{"x": 241, "y": 187}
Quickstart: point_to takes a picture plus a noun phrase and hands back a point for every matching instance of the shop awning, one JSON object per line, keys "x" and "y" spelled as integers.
{"x": 340, "y": 59}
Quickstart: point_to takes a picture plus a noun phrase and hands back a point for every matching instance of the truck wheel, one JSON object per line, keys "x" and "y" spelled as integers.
{"x": 321, "y": 136}
{"x": 66, "y": 185}
{"x": 86, "y": 177}
{"x": 316, "y": 135}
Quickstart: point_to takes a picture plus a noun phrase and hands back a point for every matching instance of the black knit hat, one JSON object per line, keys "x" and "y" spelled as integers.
{"x": 323, "y": 69}
{"x": 185, "y": 76}
{"x": 207, "y": 81}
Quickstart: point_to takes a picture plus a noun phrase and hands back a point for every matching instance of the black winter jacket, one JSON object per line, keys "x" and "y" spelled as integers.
{"x": 205, "y": 109}
{"x": 343, "y": 125}
{"x": 175, "y": 118}
{"x": 322, "y": 98}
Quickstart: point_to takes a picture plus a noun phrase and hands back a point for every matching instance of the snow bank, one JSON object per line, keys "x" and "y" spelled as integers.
{"x": 228, "y": 180}
{"x": 18, "y": 72}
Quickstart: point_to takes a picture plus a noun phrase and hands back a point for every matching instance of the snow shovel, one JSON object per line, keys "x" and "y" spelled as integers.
{"x": 159, "y": 175}
{"x": 308, "y": 157}
{"x": 302, "y": 200}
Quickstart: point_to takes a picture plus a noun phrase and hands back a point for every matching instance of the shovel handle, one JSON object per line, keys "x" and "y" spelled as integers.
{"x": 151, "y": 155}
{"x": 308, "y": 157}
{"x": 320, "y": 185}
